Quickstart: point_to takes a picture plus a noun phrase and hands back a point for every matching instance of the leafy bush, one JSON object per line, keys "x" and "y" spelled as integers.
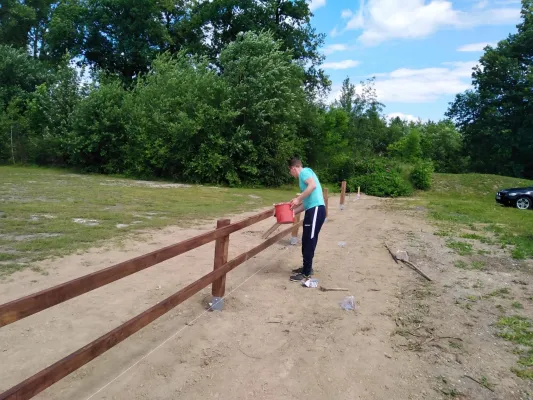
{"x": 378, "y": 177}
{"x": 98, "y": 136}
{"x": 422, "y": 175}
{"x": 349, "y": 167}
{"x": 408, "y": 148}
{"x": 381, "y": 184}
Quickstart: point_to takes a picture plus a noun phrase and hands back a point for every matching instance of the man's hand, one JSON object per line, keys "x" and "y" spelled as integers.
{"x": 295, "y": 202}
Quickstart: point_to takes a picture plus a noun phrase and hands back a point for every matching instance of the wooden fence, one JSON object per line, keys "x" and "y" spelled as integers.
{"x": 34, "y": 303}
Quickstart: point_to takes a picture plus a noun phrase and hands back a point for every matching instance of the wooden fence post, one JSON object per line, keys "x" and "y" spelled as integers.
{"x": 218, "y": 289}
{"x": 294, "y": 233}
{"x": 343, "y": 194}
{"x": 325, "y": 193}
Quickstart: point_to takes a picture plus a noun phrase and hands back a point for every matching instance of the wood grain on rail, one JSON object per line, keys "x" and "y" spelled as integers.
{"x": 33, "y": 303}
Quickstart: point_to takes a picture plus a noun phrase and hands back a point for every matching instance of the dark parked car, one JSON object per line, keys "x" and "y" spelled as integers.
{"x": 521, "y": 198}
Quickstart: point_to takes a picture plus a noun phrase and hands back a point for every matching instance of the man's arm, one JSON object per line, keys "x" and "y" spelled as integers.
{"x": 298, "y": 209}
{"x": 311, "y": 185}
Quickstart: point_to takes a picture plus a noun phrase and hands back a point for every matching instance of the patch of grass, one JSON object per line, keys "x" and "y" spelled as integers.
{"x": 48, "y": 212}
{"x": 9, "y": 268}
{"x": 8, "y": 256}
{"x": 518, "y": 330}
{"x": 472, "y": 236}
{"x": 462, "y": 248}
{"x": 443, "y": 233}
{"x": 503, "y": 292}
{"x": 483, "y": 252}
{"x": 523, "y": 373}
{"x": 424, "y": 292}
{"x": 516, "y": 305}
{"x": 468, "y": 201}
{"x": 527, "y": 360}
{"x": 455, "y": 345}
{"x": 485, "y": 382}
{"x": 478, "y": 265}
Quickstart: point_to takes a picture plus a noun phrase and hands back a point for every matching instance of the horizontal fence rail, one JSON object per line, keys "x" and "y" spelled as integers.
{"x": 47, "y": 377}
{"x": 34, "y": 303}
{"x": 29, "y": 305}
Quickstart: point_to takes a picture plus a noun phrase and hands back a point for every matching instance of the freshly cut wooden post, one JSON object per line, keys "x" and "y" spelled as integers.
{"x": 218, "y": 288}
{"x": 325, "y": 193}
{"x": 294, "y": 233}
{"x": 343, "y": 194}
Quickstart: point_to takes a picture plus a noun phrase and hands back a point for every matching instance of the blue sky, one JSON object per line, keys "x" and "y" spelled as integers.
{"x": 421, "y": 52}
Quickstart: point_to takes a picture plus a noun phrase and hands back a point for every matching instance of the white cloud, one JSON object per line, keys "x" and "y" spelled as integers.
{"x": 336, "y": 47}
{"x": 346, "y": 14}
{"x": 407, "y": 85}
{"x": 402, "y": 116}
{"x": 357, "y": 20}
{"x": 475, "y": 46}
{"x": 334, "y": 94}
{"x": 345, "y": 64}
{"x": 482, "y": 4}
{"x": 334, "y": 32}
{"x": 382, "y": 20}
{"x": 316, "y": 4}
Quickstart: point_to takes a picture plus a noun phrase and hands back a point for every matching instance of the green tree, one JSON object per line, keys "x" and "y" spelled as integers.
{"x": 288, "y": 20}
{"x": 65, "y": 32}
{"x": 19, "y": 74}
{"x": 495, "y": 117}
{"x": 50, "y": 112}
{"x": 98, "y": 137}
{"x": 266, "y": 89}
{"x": 443, "y": 144}
{"x": 179, "y": 123}
{"x": 16, "y": 19}
{"x": 408, "y": 148}
{"x": 368, "y": 130}
{"x": 23, "y": 24}
{"x": 119, "y": 36}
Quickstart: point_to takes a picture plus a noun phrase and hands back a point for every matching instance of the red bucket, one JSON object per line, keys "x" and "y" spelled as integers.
{"x": 284, "y": 214}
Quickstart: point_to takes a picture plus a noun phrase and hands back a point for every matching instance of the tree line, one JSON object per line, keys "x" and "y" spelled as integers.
{"x": 221, "y": 92}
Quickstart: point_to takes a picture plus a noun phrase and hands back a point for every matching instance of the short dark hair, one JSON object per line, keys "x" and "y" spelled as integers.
{"x": 295, "y": 162}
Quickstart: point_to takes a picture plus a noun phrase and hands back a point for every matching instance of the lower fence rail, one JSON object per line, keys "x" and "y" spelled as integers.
{"x": 48, "y": 376}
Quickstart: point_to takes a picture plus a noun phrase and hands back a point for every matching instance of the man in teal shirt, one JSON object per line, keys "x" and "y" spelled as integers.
{"x": 311, "y": 200}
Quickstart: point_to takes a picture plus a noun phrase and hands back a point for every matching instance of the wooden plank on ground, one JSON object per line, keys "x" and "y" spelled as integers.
{"x": 33, "y": 303}
{"x": 270, "y": 230}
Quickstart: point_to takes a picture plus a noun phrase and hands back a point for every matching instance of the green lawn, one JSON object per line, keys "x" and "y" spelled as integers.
{"x": 47, "y": 212}
{"x": 466, "y": 202}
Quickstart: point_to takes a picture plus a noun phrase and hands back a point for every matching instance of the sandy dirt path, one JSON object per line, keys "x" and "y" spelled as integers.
{"x": 274, "y": 340}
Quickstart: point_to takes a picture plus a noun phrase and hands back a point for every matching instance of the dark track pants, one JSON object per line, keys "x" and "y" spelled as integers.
{"x": 313, "y": 221}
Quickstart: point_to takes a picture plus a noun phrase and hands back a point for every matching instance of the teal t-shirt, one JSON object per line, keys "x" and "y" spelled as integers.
{"x": 316, "y": 198}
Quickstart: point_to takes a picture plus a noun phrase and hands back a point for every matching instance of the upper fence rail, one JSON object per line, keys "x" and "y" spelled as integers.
{"x": 34, "y": 303}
